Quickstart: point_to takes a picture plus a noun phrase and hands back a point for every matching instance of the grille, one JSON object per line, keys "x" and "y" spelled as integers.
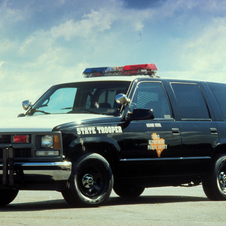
{"x": 5, "y": 139}
{"x": 19, "y": 153}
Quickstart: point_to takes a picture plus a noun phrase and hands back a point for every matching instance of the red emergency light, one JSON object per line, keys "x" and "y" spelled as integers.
{"x": 20, "y": 139}
{"x": 139, "y": 69}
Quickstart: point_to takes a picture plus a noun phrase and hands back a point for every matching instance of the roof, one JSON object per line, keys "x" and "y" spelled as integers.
{"x": 112, "y": 78}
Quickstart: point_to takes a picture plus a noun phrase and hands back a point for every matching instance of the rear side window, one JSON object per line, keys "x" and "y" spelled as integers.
{"x": 219, "y": 92}
{"x": 190, "y": 101}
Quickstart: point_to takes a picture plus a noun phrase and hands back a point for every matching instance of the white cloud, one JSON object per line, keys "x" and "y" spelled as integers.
{"x": 138, "y": 26}
{"x": 106, "y": 18}
{"x": 1, "y": 72}
{"x": 213, "y": 6}
{"x": 10, "y": 15}
{"x": 208, "y": 51}
{"x": 7, "y": 45}
{"x": 96, "y": 21}
{"x": 36, "y": 44}
{"x": 171, "y": 8}
{"x": 199, "y": 56}
{"x": 99, "y": 28}
{"x": 31, "y": 80}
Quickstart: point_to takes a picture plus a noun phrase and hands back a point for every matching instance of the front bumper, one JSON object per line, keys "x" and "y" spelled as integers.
{"x": 21, "y": 168}
{"x": 35, "y": 175}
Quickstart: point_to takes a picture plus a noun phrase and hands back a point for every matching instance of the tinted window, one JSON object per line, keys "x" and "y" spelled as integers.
{"x": 191, "y": 101}
{"x": 219, "y": 91}
{"x": 151, "y": 95}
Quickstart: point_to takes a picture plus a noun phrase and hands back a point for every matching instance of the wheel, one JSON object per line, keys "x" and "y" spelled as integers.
{"x": 214, "y": 183}
{"x": 7, "y": 196}
{"x": 128, "y": 191}
{"x": 90, "y": 183}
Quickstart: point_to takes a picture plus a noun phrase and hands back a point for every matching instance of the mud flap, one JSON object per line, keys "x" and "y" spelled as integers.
{"x": 8, "y": 166}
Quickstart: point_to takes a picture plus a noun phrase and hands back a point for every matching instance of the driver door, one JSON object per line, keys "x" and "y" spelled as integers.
{"x": 151, "y": 145}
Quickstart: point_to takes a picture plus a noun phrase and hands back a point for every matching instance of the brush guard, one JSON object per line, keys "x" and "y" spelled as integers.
{"x": 8, "y": 166}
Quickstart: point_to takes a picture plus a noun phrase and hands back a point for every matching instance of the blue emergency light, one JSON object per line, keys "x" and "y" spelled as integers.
{"x": 94, "y": 72}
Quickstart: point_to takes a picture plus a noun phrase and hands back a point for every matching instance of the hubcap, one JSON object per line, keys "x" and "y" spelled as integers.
{"x": 91, "y": 181}
{"x": 222, "y": 180}
{"x": 87, "y": 180}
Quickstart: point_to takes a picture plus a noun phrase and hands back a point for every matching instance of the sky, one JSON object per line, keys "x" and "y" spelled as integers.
{"x": 45, "y": 42}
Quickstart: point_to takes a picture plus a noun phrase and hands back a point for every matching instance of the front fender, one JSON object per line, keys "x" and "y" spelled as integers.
{"x": 84, "y": 141}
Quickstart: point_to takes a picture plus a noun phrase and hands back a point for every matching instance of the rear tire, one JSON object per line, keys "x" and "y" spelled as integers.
{"x": 128, "y": 191}
{"x": 90, "y": 183}
{"x": 7, "y": 196}
{"x": 214, "y": 183}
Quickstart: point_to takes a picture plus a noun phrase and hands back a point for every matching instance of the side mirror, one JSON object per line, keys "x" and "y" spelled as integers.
{"x": 141, "y": 114}
{"x": 26, "y": 104}
{"x": 122, "y": 99}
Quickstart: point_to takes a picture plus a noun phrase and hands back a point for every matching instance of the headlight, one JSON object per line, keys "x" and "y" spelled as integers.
{"x": 50, "y": 145}
{"x": 50, "y": 141}
{"x": 47, "y": 141}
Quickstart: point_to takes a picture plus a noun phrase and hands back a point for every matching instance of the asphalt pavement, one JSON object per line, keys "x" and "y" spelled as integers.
{"x": 156, "y": 206}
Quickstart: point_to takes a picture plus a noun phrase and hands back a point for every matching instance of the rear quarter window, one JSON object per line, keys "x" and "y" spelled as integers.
{"x": 219, "y": 92}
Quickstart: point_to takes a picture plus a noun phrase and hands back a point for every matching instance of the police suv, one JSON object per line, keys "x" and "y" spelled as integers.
{"x": 121, "y": 128}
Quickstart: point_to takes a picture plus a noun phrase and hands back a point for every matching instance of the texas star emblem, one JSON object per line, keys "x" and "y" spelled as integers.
{"x": 157, "y": 144}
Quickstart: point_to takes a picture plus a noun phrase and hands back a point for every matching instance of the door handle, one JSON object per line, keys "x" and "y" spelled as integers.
{"x": 176, "y": 131}
{"x": 213, "y": 130}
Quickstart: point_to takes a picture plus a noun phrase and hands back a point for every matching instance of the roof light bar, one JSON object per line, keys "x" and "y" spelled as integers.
{"x": 137, "y": 69}
{"x": 140, "y": 69}
{"x": 114, "y": 70}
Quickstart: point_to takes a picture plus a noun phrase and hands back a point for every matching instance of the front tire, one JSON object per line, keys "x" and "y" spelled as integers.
{"x": 7, "y": 196}
{"x": 90, "y": 183}
{"x": 214, "y": 183}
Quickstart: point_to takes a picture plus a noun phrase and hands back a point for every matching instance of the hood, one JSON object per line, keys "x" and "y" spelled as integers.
{"x": 44, "y": 123}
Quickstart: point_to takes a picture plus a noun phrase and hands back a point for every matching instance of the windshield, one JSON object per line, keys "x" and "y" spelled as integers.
{"x": 85, "y": 97}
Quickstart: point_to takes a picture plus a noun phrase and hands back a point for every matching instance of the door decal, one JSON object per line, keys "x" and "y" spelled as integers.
{"x": 157, "y": 144}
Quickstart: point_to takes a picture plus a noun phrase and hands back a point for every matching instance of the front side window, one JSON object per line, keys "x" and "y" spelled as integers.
{"x": 84, "y": 97}
{"x": 191, "y": 102}
{"x": 151, "y": 95}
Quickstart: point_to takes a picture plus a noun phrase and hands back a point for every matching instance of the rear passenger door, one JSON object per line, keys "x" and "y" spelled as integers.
{"x": 198, "y": 131}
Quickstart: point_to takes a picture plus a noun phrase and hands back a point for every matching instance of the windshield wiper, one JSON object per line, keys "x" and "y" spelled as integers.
{"x": 66, "y": 108}
{"x": 87, "y": 110}
{"x": 79, "y": 110}
{"x": 37, "y": 110}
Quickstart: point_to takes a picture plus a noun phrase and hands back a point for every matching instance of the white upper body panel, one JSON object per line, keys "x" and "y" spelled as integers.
{"x": 43, "y": 123}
